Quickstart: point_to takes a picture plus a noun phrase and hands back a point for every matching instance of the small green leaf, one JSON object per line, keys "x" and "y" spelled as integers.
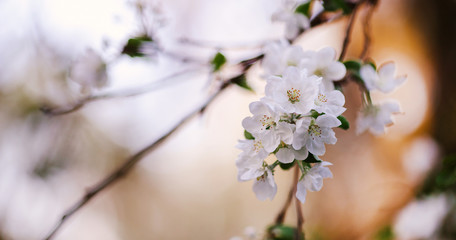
{"x": 286, "y": 166}
{"x": 282, "y": 232}
{"x": 344, "y": 122}
{"x": 248, "y": 135}
{"x": 132, "y": 48}
{"x": 352, "y": 65}
{"x": 241, "y": 81}
{"x": 304, "y": 9}
{"x": 312, "y": 159}
{"x": 334, "y": 5}
{"x": 386, "y": 233}
{"x": 218, "y": 61}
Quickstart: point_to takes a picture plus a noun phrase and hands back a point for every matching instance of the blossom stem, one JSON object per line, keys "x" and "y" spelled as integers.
{"x": 368, "y": 97}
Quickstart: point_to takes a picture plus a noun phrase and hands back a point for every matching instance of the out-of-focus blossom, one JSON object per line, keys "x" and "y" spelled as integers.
{"x": 383, "y": 80}
{"x": 376, "y": 117}
{"x": 421, "y": 219}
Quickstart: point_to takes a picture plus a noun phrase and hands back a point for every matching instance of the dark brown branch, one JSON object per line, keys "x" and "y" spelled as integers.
{"x": 348, "y": 31}
{"x": 366, "y": 29}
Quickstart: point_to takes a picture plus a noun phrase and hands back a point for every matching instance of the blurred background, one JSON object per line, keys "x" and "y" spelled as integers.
{"x": 187, "y": 188}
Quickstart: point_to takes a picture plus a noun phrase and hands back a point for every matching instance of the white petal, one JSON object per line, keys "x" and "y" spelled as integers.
{"x": 327, "y": 121}
{"x": 336, "y": 98}
{"x": 317, "y": 148}
{"x": 313, "y": 181}
{"x": 387, "y": 70}
{"x": 301, "y": 154}
{"x": 335, "y": 71}
{"x": 285, "y": 155}
{"x": 301, "y": 192}
{"x": 369, "y": 76}
{"x": 264, "y": 190}
{"x": 325, "y": 56}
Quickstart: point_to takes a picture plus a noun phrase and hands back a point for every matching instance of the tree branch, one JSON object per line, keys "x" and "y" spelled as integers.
{"x": 366, "y": 28}
{"x": 127, "y": 93}
{"x": 348, "y": 31}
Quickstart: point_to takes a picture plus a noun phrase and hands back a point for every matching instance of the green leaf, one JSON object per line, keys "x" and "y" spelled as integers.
{"x": 386, "y": 233}
{"x": 218, "y": 61}
{"x": 241, "y": 81}
{"x": 286, "y": 166}
{"x": 282, "y": 232}
{"x": 344, "y": 122}
{"x": 134, "y": 44}
{"x": 312, "y": 159}
{"x": 443, "y": 179}
{"x": 352, "y": 65}
{"x": 304, "y": 9}
{"x": 248, "y": 135}
{"x": 334, "y": 5}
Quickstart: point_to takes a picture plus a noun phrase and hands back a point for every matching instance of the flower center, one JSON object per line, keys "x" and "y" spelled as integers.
{"x": 257, "y": 146}
{"x": 371, "y": 110}
{"x": 267, "y": 122}
{"x": 321, "y": 99}
{"x": 293, "y": 95}
{"x": 314, "y": 130}
{"x": 318, "y": 72}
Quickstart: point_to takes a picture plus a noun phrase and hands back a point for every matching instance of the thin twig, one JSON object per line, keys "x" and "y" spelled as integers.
{"x": 133, "y": 160}
{"x": 348, "y": 31}
{"x": 281, "y": 215}
{"x": 128, "y": 93}
{"x": 366, "y": 29}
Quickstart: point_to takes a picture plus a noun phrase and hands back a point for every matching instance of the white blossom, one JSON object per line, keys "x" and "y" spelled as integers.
{"x": 253, "y": 154}
{"x": 330, "y": 102}
{"x": 294, "y": 22}
{"x": 264, "y": 185}
{"x": 279, "y": 55}
{"x": 324, "y": 64}
{"x": 376, "y": 117}
{"x": 383, "y": 80}
{"x": 314, "y": 133}
{"x": 295, "y": 92}
{"x": 89, "y": 71}
{"x": 265, "y": 126}
{"x": 421, "y": 219}
{"x": 313, "y": 180}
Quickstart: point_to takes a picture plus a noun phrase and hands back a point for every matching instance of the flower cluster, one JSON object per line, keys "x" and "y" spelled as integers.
{"x": 294, "y": 120}
{"x": 375, "y": 117}
{"x": 302, "y": 105}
